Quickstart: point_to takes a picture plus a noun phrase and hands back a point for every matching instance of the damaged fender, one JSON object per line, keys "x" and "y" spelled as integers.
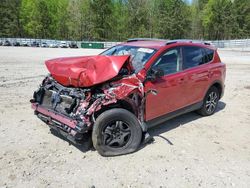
{"x": 129, "y": 89}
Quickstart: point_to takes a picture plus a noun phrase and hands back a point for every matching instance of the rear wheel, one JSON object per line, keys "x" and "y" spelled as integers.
{"x": 210, "y": 102}
{"x": 116, "y": 132}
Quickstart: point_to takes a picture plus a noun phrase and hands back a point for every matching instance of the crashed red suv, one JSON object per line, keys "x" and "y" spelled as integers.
{"x": 117, "y": 95}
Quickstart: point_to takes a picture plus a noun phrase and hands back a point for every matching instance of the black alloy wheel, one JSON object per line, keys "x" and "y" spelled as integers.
{"x": 116, "y": 134}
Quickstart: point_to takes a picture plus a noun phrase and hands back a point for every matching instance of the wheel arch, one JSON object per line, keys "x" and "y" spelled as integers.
{"x": 126, "y": 103}
{"x": 218, "y": 84}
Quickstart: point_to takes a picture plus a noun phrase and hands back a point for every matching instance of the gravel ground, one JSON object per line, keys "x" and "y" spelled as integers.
{"x": 188, "y": 151}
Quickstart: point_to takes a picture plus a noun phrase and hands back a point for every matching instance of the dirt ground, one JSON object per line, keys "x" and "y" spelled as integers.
{"x": 188, "y": 151}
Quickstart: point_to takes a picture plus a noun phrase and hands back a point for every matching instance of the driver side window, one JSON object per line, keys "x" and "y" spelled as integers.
{"x": 169, "y": 62}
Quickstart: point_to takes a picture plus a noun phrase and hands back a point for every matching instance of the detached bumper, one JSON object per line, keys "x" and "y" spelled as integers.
{"x": 52, "y": 115}
{"x": 68, "y": 128}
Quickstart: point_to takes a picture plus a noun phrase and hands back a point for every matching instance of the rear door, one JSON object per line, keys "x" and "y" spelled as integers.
{"x": 196, "y": 66}
{"x": 170, "y": 87}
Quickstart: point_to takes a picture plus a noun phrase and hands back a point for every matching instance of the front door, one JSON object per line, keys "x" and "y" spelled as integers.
{"x": 170, "y": 87}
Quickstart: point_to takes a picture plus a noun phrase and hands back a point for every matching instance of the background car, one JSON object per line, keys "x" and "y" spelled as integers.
{"x": 53, "y": 45}
{"x": 16, "y": 43}
{"x": 73, "y": 45}
{"x": 63, "y": 44}
{"x": 25, "y": 44}
{"x": 6, "y": 43}
{"x": 35, "y": 44}
{"x": 44, "y": 45}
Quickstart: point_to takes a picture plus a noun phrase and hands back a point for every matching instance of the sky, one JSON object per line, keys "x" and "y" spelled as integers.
{"x": 189, "y": 1}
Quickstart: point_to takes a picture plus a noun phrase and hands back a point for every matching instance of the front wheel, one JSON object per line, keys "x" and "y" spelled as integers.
{"x": 210, "y": 102}
{"x": 116, "y": 132}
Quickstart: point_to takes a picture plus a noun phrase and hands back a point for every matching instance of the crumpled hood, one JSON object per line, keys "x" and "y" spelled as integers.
{"x": 85, "y": 71}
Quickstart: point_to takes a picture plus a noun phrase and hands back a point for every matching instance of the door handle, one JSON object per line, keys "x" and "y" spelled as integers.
{"x": 181, "y": 80}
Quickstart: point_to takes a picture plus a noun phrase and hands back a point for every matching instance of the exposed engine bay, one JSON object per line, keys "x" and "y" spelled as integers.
{"x": 72, "y": 111}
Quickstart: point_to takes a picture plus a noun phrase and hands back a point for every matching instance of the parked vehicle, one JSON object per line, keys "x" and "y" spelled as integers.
{"x": 73, "y": 45}
{"x": 16, "y": 43}
{"x": 44, "y": 45}
{"x": 1, "y": 43}
{"x": 25, "y": 44}
{"x": 63, "y": 45}
{"x": 53, "y": 45}
{"x": 121, "y": 93}
{"x": 35, "y": 44}
{"x": 6, "y": 43}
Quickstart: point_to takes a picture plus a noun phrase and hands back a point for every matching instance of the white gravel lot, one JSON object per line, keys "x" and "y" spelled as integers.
{"x": 188, "y": 151}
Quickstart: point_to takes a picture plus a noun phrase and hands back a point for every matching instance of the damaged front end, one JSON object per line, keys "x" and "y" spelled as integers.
{"x": 72, "y": 111}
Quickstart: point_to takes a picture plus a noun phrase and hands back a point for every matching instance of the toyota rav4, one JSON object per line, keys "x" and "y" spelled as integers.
{"x": 118, "y": 95}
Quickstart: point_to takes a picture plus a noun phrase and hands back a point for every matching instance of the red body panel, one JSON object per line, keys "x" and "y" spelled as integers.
{"x": 184, "y": 88}
{"x": 170, "y": 96}
{"x": 85, "y": 71}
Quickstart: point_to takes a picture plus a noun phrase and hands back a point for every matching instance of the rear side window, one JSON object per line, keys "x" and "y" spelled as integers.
{"x": 195, "y": 56}
{"x": 209, "y": 55}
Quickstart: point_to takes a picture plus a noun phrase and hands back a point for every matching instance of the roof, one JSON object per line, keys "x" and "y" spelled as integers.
{"x": 158, "y": 43}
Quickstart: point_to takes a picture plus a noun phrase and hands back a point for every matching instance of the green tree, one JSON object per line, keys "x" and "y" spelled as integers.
{"x": 27, "y": 18}
{"x": 218, "y": 19}
{"x": 10, "y": 25}
{"x": 43, "y": 16}
{"x": 87, "y": 25}
{"x": 241, "y": 10}
{"x": 74, "y": 20}
{"x": 138, "y": 18}
{"x": 122, "y": 19}
{"x": 197, "y": 29}
{"x": 119, "y": 23}
{"x": 101, "y": 11}
{"x": 36, "y": 18}
{"x": 173, "y": 19}
{"x": 61, "y": 19}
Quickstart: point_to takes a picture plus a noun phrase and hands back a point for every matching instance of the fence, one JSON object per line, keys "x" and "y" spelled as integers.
{"x": 242, "y": 43}
{"x": 28, "y": 42}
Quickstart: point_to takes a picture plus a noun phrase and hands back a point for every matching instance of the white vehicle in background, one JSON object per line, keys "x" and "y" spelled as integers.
{"x": 53, "y": 45}
{"x": 63, "y": 44}
{"x": 44, "y": 45}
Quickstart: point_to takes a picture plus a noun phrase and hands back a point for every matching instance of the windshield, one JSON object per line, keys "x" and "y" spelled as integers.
{"x": 139, "y": 56}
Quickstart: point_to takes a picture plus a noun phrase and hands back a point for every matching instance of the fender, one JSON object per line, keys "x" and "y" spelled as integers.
{"x": 216, "y": 82}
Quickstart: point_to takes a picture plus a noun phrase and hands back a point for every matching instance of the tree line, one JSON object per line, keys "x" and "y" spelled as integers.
{"x": 117, "y": 20}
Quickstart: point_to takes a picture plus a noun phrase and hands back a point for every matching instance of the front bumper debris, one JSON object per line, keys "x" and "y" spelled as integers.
{"x": 68, "y": 128}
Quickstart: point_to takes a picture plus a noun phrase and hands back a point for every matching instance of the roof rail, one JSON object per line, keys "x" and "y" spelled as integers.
{"x": 145, "y": 39}
{"x": 186, "y": 40}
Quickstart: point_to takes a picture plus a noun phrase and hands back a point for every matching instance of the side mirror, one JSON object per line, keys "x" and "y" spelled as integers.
{"x": 153, "y": 74}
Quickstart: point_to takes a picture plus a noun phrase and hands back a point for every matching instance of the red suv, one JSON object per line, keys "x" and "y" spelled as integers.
{"x": 117, "y": 95}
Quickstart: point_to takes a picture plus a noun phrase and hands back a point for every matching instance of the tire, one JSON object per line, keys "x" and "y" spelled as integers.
{"x": 116, "y": 132}
{"x": 210, "y": 102}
